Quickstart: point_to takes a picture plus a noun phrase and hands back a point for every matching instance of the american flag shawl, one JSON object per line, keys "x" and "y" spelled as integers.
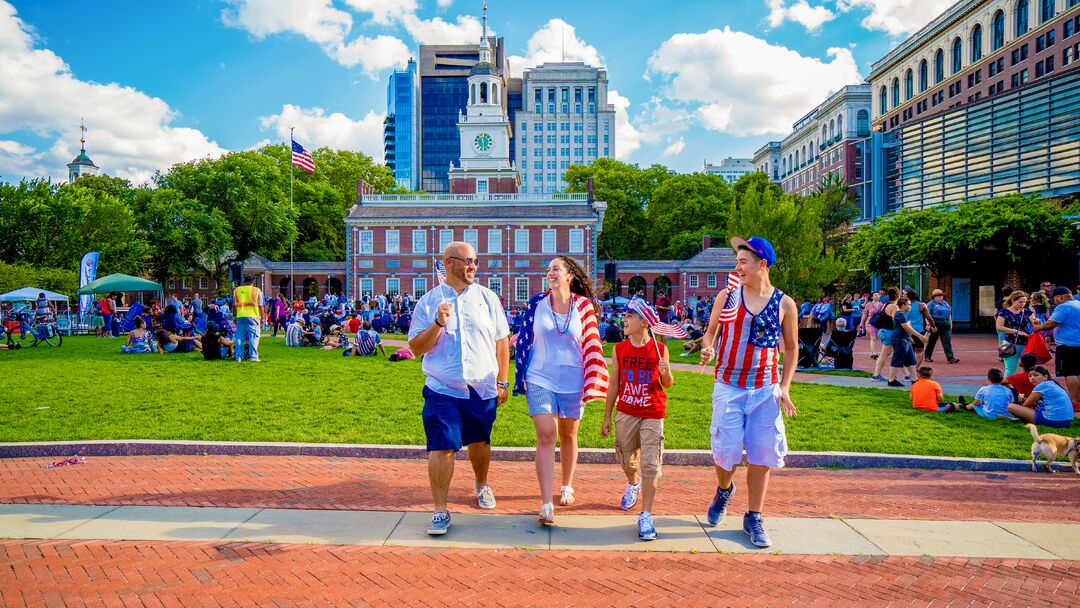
{"x": 596, "y": 370}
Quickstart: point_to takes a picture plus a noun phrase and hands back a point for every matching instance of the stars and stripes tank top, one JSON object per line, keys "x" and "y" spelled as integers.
{"x": 749, "y": 355}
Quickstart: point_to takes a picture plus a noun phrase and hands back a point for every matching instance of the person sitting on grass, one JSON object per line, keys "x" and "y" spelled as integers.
{"x": 168, "y": 342}
{"x": 212, "y": 337}
{"x": 1047, "y": 405}
{"x": 366, "y": 344}
{"x": 992, "y": 401}
{"x": 926, "y": 394}
{"x": 337, "y": 339}
{"x": 313, "y": 332}
{"x": 1021, "y": 380}
{"x": 294, "y": 332}
{"x": 140, "y": 340}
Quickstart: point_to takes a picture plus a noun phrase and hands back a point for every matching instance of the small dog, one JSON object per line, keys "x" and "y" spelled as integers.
{"x": 1051, "y": 446}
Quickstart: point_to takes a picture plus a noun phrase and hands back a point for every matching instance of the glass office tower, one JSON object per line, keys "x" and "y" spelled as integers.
{"x": 400, "y": 145}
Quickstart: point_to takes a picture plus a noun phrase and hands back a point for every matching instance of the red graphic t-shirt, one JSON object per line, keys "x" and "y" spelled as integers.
{"x": 640, "y": 391}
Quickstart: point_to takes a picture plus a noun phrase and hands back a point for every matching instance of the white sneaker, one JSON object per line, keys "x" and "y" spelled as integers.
{"x": 485, "y": 497}
{"x": 547, "y": 514}
{"x": 629, "y": 497}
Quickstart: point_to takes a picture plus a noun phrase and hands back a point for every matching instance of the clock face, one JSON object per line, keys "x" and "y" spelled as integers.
{"x": 482, "y": 142}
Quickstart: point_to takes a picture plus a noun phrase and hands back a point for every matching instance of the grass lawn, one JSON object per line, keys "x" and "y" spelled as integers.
{"x": 87, "y": 390}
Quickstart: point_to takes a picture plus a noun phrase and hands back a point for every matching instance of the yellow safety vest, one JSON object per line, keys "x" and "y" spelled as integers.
{"x": 246, "y": 299}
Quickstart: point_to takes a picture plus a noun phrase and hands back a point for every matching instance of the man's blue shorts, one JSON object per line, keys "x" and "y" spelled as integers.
{"x": 453, "y": 422}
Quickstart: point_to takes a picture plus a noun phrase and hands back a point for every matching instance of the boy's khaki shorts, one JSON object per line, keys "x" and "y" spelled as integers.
{"x": 639, "y": 444}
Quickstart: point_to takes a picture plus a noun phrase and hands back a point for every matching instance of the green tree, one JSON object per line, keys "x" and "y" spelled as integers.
{"x": 627, "y": 190}
{"x": 184, "y": 235}
{"x": 17, "y": 276}
{"x": 838, "y": 209}
{"x": 686, "y": 205}
{"x": 793, "y": 225}
{"x": 108, "y": 226}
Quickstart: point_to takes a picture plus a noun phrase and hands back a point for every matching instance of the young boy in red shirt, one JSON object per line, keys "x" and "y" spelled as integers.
{"x": 640, "y": 373}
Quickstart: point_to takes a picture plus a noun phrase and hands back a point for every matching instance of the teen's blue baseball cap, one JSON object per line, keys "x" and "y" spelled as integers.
{"x": 762, "y": 247}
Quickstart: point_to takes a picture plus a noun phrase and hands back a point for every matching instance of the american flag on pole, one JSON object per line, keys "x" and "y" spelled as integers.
{"x": 301, "y": 158}
{"x": 648, "y": 313}
{"x": 731, "y": 304}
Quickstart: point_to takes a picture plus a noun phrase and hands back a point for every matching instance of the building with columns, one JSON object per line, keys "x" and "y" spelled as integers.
{"x": 730, "y": 169}
{"x": 767, "y": 160}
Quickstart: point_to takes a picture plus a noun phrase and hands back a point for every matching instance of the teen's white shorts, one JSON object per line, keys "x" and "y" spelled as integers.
{"x": 747, "y": 418}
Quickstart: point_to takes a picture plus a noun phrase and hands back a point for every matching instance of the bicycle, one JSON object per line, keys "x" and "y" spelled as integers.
{"x": 41, "y": 330}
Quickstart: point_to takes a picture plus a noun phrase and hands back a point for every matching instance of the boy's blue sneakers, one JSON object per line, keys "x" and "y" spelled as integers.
{"x": 754, "y": 527}
{"x": 645, "y": 528}
{"x": 718, "y": 506}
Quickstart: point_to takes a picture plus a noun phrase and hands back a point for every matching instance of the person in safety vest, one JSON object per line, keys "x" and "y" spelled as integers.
{"x": 247, "y": 300}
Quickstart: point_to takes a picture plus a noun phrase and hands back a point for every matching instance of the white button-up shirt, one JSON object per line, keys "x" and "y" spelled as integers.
{"x": 464, "y": 355}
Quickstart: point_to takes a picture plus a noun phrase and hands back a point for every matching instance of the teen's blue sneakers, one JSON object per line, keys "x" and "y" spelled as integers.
{"x": 645, "y": 528}
{"x": 440, "y": 523}
{"x": 718, "y": 506}
{"x": 754, "y": 527}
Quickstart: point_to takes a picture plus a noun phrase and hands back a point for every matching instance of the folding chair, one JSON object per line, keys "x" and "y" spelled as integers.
{"x": 840, "y": 349}
{"x": 809, "y": 349}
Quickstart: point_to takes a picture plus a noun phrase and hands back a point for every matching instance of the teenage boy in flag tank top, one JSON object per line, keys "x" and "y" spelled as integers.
{"x": 749, "y": 394}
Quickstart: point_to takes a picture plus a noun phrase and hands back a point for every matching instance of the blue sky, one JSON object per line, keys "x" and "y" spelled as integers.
{"x": 164, "y": 82}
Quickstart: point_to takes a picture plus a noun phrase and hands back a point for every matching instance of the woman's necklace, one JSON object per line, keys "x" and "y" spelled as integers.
{"x": 555, "y": 318}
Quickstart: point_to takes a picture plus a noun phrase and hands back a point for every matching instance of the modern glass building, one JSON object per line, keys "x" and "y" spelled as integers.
{"x": 400, "y": 146}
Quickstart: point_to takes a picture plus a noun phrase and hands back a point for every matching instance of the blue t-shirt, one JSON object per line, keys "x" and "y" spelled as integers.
{"x": 1068, "y": 315}
{"x": 1055, "y": 403}
{"x": 995, "y": 399}
{"x": 898, "y": 335}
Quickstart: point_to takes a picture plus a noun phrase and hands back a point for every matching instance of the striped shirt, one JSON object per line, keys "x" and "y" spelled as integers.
{"x": 749, "y": 353}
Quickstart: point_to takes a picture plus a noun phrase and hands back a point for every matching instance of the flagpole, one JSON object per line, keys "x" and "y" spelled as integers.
{"x": 292, "y": 240}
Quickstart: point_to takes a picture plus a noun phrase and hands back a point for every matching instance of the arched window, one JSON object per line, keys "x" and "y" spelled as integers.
{"x": 895, "y": 100}
{"x": 957, "y": 55}
{"x": 883, "y": 105}
{"x": 796, "y": 166}
{"x": 939, "y": 66}
{"x": 832, "y": 128}
{"x": 1046, "y": 10}
{"x": 495, "y": 92}
{"x": 1020, "y": 25}
{"x": 811, "y": 150}
{"x": 862, "y": 123}
{"x": 840, "y": 127}
{"x": 825, "y": 130}
{"x": 997, "y": 31}
{"x": 472, "y": 97}
{"x": 909, "y": 85}
{"x": 976, "y": 43}
{"x": 483, "y": 92}
{"x": 783, "y": 165}
{"x": 924, "y": 81}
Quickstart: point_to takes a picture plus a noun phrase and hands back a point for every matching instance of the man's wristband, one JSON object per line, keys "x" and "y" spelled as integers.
{"x": 439, "y": 324}
{"x": 502, "y": 384}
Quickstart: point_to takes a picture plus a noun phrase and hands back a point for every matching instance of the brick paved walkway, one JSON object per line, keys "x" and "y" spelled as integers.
{"x": 308, "y": 482}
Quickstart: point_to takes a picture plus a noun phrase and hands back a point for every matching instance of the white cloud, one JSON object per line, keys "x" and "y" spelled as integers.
{"x": 627, "y": 137}
{"x": 658, "y": 121}
{"x": 326, "y": 26}
{"x": 316, "y": 128}
{"x": 743, "y": 85}
{"x": 131, "y": 134}
{"x": 383, "y": 12}
{"x": 445, "y": 3}
{"x": 556, "y": 41}
{"x": 466, "y": 30}
{"x": 897, "y": 17}
{"x": 810, "y": 17}
{"x": 675, "y": 148}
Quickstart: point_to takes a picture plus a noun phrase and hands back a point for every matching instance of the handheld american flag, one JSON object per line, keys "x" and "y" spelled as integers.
{"x": 440, "y": 271}
{"x": 301, "y": 158}
{"x": 731, "y": 304}
{"x": 648, "y": 313}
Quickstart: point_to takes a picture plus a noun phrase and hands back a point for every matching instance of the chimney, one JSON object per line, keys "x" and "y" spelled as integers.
{"x": 705, "y": 242}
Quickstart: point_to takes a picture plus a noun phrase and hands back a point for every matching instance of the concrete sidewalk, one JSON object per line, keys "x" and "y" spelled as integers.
{"x": 801, "y": 536}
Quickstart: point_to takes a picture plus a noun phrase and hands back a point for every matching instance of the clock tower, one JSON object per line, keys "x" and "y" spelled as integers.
{"x": 484, "y": 132}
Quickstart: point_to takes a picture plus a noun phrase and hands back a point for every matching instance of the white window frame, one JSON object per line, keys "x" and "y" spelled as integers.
{"x": 366, "y": 242}
{"x": 693, "y": 281}
{"x": 367, "y": 287}
{"x": 521, "y": 289}
{"x": 396, "y": 289}
{"x": 710, "y": 280}
{"x": 393, "y": 245}
{"x": 204, "y": 283}
{"x": 186, "y": 283}
{"x": 494, "y": 240}
{"x": 419, "y": 241}
{"x": 419, "y": 286}
{"x": 446, "y": 236}
{"x": 482, "y": 185}
{"x": 577, "y": 240}
{"x": 548, "y": 240}
{"x": 521, "y": 240}
{"x": 495, "y": 284}
{"x": 472, "y": 237}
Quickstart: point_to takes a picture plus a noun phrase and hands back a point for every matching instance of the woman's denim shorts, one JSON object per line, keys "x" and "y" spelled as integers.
{"x": 543, "y": 401}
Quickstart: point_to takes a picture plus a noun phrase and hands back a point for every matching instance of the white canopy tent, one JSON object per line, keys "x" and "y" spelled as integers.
{"x": 29, "y": 294}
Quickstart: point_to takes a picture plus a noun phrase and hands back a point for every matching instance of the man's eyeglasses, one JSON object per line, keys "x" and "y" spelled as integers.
{"x": 466, "y": 261}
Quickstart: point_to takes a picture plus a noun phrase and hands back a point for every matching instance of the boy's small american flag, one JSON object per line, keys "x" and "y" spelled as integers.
{"x": 648, "y": 313}
{"x": 731, "y": 304}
